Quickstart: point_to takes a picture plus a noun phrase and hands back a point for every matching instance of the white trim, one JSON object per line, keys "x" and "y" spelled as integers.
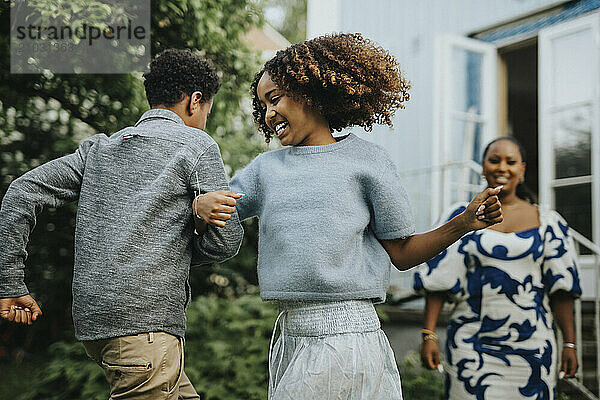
{"x": 547, "y": 109}
{"x": 588, "y": 22}
{"x": 435, "y": 205}
{"x": 516, "y": 40}
{"x": 586, "y": 242}
{"x": 518, "y": 18}
{"x": 444, "y": 115}
{"x": 545, "y": 157}
{"x": 574, "y": 180}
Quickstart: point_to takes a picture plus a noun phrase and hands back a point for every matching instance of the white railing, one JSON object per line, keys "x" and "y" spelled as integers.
{"x": 578, "y": 383}
{"x": 441, "y": 197}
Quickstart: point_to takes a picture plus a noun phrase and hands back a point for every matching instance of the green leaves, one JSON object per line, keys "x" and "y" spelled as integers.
{"x": 227, "y": 347}
{"x": 419, "y": 383}
{"x": 43, "y": 117}
{"x": 70, "y": 375}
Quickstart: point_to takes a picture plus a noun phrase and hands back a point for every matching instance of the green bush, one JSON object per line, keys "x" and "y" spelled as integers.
{"x": 418, "y": 382}
{"x": 69, "y": 375}
{"x": 227, "y": 347}
{"x": 226, "y": 352}
{"x": 226, "y": 359}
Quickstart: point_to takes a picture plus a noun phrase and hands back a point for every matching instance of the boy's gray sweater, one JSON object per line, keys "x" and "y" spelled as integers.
{"x": 134, "y": 236}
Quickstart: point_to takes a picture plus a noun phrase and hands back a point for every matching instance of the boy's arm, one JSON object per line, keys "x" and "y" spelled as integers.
{"x": 216, "y": 244}
{"x": 50, "y": 185}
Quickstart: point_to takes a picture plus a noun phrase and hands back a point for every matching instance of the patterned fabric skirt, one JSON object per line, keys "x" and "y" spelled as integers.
{"x": 332, "y": 351}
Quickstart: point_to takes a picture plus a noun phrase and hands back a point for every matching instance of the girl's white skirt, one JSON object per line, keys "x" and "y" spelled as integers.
{"x": 332, "y": 351}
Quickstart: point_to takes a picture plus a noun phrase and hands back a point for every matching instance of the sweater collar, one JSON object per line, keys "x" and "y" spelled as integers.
{"x": 160, "y": 113}
{"x": 324, "y": 148}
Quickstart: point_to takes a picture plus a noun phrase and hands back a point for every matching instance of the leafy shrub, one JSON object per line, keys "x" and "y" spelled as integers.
{"x": 69, "y": 375}
{"x": 418, "y": 382}
{"x": 227, "y": 345}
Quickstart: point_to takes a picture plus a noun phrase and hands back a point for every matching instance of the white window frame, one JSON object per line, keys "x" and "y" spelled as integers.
{"x": 443, "y": 116}
{"x": 588, "y": 265}
{"x": 546, "y": 109}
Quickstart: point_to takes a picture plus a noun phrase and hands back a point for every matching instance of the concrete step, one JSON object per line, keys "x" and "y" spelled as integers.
{"x": 573, "y": 393}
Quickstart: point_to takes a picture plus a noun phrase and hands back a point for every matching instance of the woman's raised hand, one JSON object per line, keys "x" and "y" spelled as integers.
{"x": 216, "y": 207}
{"x": 484, "y": 210}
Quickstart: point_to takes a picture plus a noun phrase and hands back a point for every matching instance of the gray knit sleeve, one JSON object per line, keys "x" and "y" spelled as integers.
{"x": 391, "y": 213}
{"x": 53, "y": 184}
{"x": 246, "y": 182}
{"x": 216, "y": 244}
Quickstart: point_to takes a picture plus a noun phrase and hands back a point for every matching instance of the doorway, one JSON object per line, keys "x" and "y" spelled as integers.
{"x": 518, "y": 72}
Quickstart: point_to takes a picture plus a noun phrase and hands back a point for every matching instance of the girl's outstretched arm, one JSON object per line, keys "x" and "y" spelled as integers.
{"x": 483, "y": 211}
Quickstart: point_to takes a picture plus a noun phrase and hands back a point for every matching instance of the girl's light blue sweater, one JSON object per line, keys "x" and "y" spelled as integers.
{"x": 322, "y": 210}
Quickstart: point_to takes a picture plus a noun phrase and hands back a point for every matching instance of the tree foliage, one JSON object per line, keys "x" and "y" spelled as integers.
{"x": 69, "y": 375}
{"x": 417, "y": 382}
{"x": 227, "y": 347}
{"x": 292, "y": 21}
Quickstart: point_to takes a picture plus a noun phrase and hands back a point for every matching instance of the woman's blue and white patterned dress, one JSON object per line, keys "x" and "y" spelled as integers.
{"x": 500, "y": 342}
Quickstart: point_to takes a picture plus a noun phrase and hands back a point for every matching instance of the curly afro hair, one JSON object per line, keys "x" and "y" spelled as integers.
{"x": 176, "y": 73}
{"x": 344, "y": 77}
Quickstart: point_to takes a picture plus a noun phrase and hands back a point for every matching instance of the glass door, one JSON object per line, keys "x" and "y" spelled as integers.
{"x": 569, "y": 137}
{"x": 569, "y": 147}
{"x": 465, "y": 87}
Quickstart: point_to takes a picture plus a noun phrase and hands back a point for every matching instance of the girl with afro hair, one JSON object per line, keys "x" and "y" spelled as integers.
{"x": 332, "y": 215}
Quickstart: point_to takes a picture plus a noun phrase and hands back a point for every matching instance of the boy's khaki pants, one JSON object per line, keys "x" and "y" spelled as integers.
{"x": 143, "y": 367}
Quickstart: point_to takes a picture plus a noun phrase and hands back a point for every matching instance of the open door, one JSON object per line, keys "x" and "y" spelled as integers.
{"x": 569, "y": 136}
{"x": 569, "y": 147}
{"x": 465, "y": 116}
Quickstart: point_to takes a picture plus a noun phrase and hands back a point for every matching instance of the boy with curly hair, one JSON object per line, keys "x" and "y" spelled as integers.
{"x": 135, "y": 236}
{"x": 332, "y": 215}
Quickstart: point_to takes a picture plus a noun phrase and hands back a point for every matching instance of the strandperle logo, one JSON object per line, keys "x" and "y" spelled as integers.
{"x": 81, "y": 37}
{"x": 85, "y": 32}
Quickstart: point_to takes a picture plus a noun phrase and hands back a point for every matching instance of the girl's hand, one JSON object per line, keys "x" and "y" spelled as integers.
{"x": 569, "y": 363}
{"x": 484, "y": 210}
{"x": 430, "y": 354}
{"x": 215, "y": 207}
{"x": 22, "y": 310}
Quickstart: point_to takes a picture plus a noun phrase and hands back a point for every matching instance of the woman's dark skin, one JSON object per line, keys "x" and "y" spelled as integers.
{"x": 503, "y": 165}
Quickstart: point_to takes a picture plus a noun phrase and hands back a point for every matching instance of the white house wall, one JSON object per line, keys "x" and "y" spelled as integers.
{"x": 408, "y": 28}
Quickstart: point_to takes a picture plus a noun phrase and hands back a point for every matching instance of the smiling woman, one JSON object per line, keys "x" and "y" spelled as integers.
{"x": 504, "y": 163}
{"x": 502, "y": 281}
